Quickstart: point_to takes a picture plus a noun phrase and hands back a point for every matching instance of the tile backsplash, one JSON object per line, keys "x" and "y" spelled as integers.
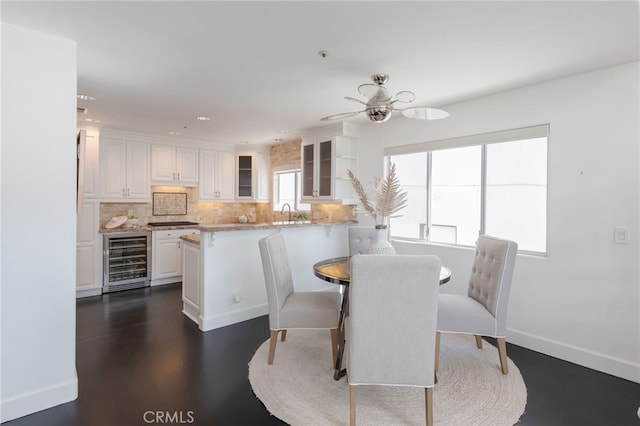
{"x": 212, "y": 212}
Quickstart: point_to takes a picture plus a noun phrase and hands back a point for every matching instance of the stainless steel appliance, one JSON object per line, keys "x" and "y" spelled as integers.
{"x": 127, "y": 261}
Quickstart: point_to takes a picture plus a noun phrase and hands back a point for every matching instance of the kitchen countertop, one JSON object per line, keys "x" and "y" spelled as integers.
{"x": 193, "y": 238}
{"x": 204, "y": 227}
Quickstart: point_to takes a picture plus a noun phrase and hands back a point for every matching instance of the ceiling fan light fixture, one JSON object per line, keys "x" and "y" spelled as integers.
{"x": 380, "y": 103}
{"x": 379, "y": 114}
{"x": 423, "y": 113}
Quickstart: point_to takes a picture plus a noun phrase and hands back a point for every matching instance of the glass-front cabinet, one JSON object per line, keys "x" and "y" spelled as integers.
{"x": 245, "y": 176}
{"x": 324, "y": 169}
{"x": 252, "y": 172}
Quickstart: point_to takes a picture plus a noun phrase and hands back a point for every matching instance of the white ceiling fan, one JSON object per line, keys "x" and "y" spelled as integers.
{"x": 380, "y": 104}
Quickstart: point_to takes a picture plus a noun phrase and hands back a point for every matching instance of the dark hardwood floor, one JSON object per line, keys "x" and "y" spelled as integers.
{"x": 137, "y": 355}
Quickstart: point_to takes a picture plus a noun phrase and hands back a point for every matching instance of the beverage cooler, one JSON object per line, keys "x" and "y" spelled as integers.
{"x": 127, "y": 261}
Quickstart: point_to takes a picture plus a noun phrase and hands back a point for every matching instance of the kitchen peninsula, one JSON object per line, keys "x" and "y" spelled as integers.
{"x": 223, "y": 282}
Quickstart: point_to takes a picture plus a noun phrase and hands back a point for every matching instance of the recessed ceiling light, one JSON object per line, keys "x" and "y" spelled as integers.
{"x": 203, "y": 118}
{"x": 91, "y": 120}
{"x": 85, "y": 97}
{"x": 172, "y": 132}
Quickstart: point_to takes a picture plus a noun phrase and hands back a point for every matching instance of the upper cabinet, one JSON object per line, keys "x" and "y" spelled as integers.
{"x": 325, "y": 162}
{"x": 171, "y": 165}
{"x": 88, "y": 154}
{"x": 253, "y": 177}
{"x": 124, "y": 170}
{"x": 217, "y": 172}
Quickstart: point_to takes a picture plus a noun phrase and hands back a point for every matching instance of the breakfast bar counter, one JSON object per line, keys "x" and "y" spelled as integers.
{"x": 223, "y": 282}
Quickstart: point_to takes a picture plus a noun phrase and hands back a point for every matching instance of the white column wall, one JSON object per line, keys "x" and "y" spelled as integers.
{"x": 581, "y": 302}
{"x": 38, "y": 221}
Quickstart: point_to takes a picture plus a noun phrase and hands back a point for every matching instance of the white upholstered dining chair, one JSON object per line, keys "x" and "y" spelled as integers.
{"x": 391, "y": 328}
{"x": 360, "y": 238}
{"x": 289, "y": 309}
{"x": 483, "y": 310}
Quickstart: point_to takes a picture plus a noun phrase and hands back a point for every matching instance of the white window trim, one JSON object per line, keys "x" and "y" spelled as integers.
{"x": 288, "y": 168}
{"x": 482, "y": 139}
{"x": 532, "y": 132}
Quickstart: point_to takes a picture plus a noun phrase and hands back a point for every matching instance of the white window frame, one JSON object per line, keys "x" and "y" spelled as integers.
{"x": 483, "y": 140}
{"x": 298, "y": 206}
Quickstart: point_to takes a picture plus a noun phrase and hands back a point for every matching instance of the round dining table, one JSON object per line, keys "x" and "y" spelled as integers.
{"x": 336, "y": 271}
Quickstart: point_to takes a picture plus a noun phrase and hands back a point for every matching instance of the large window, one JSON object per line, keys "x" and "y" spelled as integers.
{"x": 287, "y": 189}
{"x": 497, "y": 187}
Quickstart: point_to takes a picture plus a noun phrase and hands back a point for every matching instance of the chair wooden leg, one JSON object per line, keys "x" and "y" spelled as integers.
{"x": 479, "y": 342}
{"x": 273, "y": 339}
{"x": 283, "y": 335}
{"x": 352, "y": 405}
{"x": 502, "y": 351}
{"x": 428, "y": 396}
{"x": 437, "y": 350}
{"x": 335, "y": 337}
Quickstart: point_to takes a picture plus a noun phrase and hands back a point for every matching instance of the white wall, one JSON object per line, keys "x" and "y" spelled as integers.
{"x": 581, "y": 303}
{"x": 38, "y": 221}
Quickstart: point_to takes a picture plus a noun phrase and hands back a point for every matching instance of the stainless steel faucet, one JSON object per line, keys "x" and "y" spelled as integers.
{"x": 282, "y": 211}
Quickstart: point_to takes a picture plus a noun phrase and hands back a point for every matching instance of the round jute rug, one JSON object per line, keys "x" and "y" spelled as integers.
{"x": 299, "y": 389}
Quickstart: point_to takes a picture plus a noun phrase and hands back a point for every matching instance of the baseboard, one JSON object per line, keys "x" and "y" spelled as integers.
{"x": 38, "y": 400}
{"x": 222, "y": 320}
{"x": 80, "y": 293}
{"x": 191, "y": 313}
{"x": 164, "y": 281}
{"x": 577, "y": 355}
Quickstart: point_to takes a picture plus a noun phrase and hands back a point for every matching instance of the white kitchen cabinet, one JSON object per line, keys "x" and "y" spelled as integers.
{"x": 325, "y": 162}
{"x": 88, "y": 240}
{"x": 88, "y": 250}
{"x": 253, "y": 175}
{"x": 217, "y": 176}
{"x": 172, "y": 165}
{"x": 263, "y": 178}
{"x": 88, "y": 157}
{"x": 191, "y": 288}
{"x": 124, "y": 170}
{"x": 166, "y": 255}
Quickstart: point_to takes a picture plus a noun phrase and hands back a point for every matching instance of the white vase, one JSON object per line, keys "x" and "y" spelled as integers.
{"x": 381, "y": 245}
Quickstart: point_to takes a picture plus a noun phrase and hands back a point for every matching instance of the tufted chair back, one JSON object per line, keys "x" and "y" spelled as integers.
{"x": 277, "y": 275}
{"x": 491, "y": 274}
{"x": 360, "y": 238}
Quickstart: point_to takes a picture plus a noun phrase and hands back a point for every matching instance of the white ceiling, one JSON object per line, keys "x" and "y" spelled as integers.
{"x": 254, "y": 66}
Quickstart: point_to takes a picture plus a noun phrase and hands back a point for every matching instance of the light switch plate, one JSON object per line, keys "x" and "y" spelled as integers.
{"x": 621, "y": 235}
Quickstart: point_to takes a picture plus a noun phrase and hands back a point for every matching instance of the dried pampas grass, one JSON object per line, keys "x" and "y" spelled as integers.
{"x": 390, "y": 198}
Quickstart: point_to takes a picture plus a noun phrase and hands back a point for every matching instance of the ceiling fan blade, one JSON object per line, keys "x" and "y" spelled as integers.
{"x": 373, "y": 90}
{"x": 349, "y": 98}
{"x": 405, "y": 96}
{"x": 424, "y": 113}
{"x": 340, "y": 116}
{"x": 368, "y": 90}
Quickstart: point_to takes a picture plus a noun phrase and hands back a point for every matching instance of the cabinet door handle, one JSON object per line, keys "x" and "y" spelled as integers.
{"x": 174, "y": 175}
{"x": 178, "y": 175}
{"x": 128, "y": 192}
